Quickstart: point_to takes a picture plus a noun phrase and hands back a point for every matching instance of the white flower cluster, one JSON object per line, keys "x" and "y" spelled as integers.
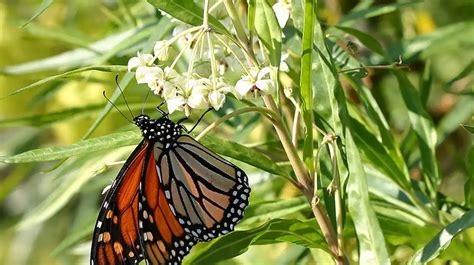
{"x": 188, "y": 91}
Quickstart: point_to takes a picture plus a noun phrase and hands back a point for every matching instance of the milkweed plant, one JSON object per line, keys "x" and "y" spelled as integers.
{"x": 347, "y": 191}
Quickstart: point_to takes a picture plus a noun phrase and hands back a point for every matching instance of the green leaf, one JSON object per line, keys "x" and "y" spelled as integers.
{"x": 268, "y": 210}
{"x": 74, "y": 176}
{"x": 370, "y": 42}
{"x": 460, "y": 113}
{"x": 188, "y": 12}
{"x": 268, "y": 30}
{"x": 237, "y": 242}
{"x": 306, "y": 81}
{"x": 375, "y": 152}
{"x": 242, "y": 153}
{"x": 376, "y": 115}
{"x": 53, "y": 117}
{"x": 375, "y": 11}
{"x": 251, "y": 16}
{"x": 82, "y": 147}
{"x": 159, "y": 32}
{"x": 44, "y": 5}
{"x": 59, "y": 35}
{"x": 424, "y": 129}
{"x": 392, "y": 200}
{"x": 468, "y": 128}
{"x": 442, "y": 240}
{"x": 444, "y": 38}
{"x": 78, "y": 233}
{"x": 372, "y": 247}
{"x": 75, "y": 58}
{"x": 466, "y": 72}
{"x": 102, "y": 68}
{"x": 469, "y": 184}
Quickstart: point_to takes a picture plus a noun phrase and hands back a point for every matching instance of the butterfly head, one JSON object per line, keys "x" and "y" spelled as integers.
{"x": 162, "y": 130}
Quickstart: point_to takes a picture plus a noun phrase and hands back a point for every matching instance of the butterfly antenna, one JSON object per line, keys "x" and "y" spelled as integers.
{"x": 158, "y": 108}
{"x": 123, "y": 96}
{"x": 103, "y": 93}
{"x": 199, "y": 120}
{"x": 145, "y": 101}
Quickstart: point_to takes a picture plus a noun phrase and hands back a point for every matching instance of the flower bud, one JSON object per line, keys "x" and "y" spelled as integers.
{"x": 162, "y": 50}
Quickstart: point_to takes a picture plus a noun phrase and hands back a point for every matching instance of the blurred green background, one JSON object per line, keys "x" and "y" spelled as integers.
{"x": 440, "y": 35}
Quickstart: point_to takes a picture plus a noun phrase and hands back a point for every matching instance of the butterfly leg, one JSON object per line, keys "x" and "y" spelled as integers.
{"x": 158, "y": 108}
{"x": 199, "y": 120}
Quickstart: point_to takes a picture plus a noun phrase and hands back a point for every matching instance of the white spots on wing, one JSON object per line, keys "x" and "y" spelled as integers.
{"x": 149, "y": 236}
{"x": 145, "y": 214}
{"x": 107, "y": 188}
{"x": 99, "y": 224}
{"x": 167, "y": 194}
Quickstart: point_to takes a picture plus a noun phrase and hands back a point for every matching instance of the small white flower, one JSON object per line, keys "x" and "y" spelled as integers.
{"x": 183, "y": 40}
{"x": 282, "y": 12}
{"x": 190, "y": 95}
{"x": 161, "y": 82}
{"x": 162, "y": 50}
{"x": 140, "y": 60}
{"x": 145, "y": 74}
{"x": 217, "y": 89}
{"x": 258, "y": 81}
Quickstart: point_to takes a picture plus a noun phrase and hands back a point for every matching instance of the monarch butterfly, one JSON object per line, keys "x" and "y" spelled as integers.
{"x": 171, "y": 193}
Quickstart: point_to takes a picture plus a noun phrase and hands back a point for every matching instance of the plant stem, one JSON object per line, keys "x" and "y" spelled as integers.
{"x": 337, "y": 196}
{"x": 303, "y": 177}
{"x": 298, "y": 166}
{"x": 205, "y": 16}
{"x": 186, "y": 47}
{"x": 294, "y": 130}
{"x": 325, "y": 225}
{"x": 239, "y": 29}
{"x": 267, "y": 113}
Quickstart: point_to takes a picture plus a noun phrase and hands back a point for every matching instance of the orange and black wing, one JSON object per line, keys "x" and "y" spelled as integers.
{"x": 206, "y": 193}
{"x": 164, "y": 239}
{"x": 116, "y": 236}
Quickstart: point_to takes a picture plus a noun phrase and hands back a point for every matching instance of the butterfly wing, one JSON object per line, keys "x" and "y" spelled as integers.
{"x": 164, "y": 239}
{"x": 207, "y": 193}
{"x": 116, "y": 239}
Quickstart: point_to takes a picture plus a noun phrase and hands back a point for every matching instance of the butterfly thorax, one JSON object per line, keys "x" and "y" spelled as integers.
{"x": 161, "y": 130}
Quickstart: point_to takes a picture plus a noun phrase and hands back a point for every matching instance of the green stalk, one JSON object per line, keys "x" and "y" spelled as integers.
{"x": 239, "y": 29}
{"x": 306, "y": 84}
{"x": 266, "y": 113}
